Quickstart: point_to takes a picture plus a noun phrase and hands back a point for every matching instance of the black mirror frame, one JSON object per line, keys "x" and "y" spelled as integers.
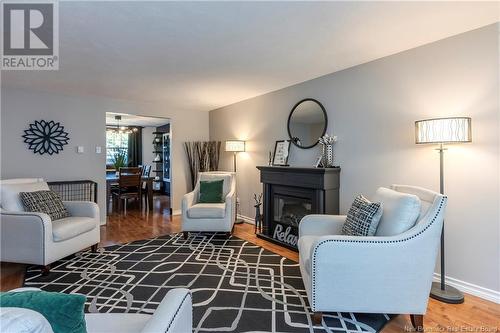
{"x": 290, "y": 116}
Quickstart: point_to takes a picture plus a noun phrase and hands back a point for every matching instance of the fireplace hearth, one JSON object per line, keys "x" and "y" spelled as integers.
{"x": 290, "y": 193}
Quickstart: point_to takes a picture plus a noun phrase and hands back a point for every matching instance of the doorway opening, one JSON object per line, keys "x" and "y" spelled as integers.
{"x": 138, "y": 165}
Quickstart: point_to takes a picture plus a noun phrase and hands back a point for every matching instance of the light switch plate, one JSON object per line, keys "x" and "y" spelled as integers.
{"x": 98, "y": 149}
{"x": 80, "y": 150}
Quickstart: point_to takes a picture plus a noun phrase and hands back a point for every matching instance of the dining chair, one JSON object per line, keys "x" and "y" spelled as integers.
{"x": 146, "y": 172}
{"x": 129, "y": 186}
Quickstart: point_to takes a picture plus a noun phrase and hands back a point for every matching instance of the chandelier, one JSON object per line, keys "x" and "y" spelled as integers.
{"x": 121, "y": 129}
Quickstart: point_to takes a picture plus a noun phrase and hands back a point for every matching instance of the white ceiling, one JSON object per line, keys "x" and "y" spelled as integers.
{"x": 204, "y": 55}
{"x": 133, "y": 120}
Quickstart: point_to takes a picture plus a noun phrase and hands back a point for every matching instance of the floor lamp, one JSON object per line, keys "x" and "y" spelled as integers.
{"x": 236, "y": 146}
{"x": 443, "y": 131}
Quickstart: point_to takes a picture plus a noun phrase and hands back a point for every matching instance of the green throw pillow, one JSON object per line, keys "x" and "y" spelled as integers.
{"x": 211, "y": 191}
{"x": 64, "y": 312}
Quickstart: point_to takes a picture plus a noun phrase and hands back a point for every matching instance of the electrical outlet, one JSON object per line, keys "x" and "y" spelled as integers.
{"x": 98, "y": 149}
{"x": 80, "y": 150}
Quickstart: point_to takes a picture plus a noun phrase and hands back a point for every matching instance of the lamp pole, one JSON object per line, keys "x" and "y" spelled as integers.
{"x": 440, "y": 291}
{"x": 234, "y": 161}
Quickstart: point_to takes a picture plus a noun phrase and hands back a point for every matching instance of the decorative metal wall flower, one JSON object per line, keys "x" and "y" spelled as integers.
{"x": 46, "y": 137}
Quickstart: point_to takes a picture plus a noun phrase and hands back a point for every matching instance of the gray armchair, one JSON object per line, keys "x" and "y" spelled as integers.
{"x": 379, "y": 274}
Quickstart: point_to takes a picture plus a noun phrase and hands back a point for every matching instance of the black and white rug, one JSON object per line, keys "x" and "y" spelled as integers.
{"x": 237, "y": 286}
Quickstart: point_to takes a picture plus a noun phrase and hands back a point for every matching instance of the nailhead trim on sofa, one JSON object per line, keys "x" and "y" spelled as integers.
{"x": 313, "y": 305}
{"x": 177, "y": 311}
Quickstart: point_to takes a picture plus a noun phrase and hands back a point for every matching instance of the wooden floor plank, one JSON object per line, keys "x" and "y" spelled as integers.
{"x": 474, "y": 315}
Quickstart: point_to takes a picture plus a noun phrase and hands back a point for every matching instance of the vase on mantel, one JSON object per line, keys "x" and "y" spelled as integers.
{"x": 327, "y": 142}
{"x": 327, "y": 156}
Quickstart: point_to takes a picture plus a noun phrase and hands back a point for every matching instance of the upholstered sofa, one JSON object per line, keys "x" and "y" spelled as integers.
{"x": 33, "y": 238}
{"x": 173, "y": 315}
{"x": 210, "y": 217}
{"x": 377, "y": 274}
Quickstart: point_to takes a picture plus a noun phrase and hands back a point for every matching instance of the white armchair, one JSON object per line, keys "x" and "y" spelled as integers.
{"x": 379, "y": 274}
{"x": 211, "y": 217}
{"x": 33, "y": 238}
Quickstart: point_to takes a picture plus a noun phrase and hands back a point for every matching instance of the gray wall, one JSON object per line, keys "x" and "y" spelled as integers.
{"x": 84, "y": 119}
{"x": 372, "y": 109}
{"x": 147, "y": 146}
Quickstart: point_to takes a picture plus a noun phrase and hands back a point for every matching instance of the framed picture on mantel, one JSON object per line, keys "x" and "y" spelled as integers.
{"x": 281, "y": 150}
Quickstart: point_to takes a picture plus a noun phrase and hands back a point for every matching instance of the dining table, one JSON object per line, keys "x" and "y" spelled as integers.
{"x": 113, "y": 178}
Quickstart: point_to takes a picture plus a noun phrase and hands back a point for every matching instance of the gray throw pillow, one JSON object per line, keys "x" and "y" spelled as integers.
{"x": 47, "y": 202}
{"x": 363, "y": 218}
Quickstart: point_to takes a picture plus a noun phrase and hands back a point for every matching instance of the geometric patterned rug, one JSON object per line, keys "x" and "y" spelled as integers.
{"x": 237, "y": 286}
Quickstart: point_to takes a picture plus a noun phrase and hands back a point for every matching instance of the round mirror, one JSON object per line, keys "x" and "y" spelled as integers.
{"x": 307, "y": 123}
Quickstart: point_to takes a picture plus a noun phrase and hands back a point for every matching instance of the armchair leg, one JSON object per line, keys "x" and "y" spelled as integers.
{"x": 185, "y": 234}
{"x": 45, "y": 270}
{"x": 317, "y": 318}
{"x": 93, "y": 248}
{"x": 418, "y": 322}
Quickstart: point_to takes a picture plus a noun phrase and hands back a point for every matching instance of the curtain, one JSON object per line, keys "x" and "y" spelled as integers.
{"x": 135, "y": 148}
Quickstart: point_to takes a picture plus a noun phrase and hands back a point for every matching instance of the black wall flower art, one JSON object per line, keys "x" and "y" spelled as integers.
{"x": 46, "y": 137}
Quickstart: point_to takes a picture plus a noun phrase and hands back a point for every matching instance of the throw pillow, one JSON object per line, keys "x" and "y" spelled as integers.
{"x": 401, "y": 211}
{"x": 63, "y": 311}
{"x": 211, "y": 191}
{"x": 363, "y": 217}
{"x": 47, "y": 202}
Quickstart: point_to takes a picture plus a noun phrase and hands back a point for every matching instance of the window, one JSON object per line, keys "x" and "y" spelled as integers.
{"x": 115, "y": 142}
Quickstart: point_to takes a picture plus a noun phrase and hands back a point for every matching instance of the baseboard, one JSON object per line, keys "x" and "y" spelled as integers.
{"x": 246, "y": 219}
{"x": 472, "y": 289}
{"x": 177, "y": 212}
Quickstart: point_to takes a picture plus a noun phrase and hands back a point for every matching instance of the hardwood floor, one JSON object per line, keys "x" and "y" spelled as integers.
{"x": 474, "y": 315}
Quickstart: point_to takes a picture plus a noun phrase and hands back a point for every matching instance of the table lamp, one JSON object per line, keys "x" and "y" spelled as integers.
{"x": 443, "y": 131}
{"x": 236, "y": 146}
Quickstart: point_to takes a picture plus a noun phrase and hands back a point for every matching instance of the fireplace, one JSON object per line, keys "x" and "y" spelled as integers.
{"x": 290, "y": 194}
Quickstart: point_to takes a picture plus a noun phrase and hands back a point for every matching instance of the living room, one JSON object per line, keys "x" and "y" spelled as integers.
{"x": 372, "y": 82}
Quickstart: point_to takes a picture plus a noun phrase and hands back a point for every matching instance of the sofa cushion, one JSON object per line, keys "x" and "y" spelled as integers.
{"x": 211, "y": 191}
{"x": 401, "y": 211}
{"x": 70, "y": 227}
{"x": 363, "y": 217}
{"x": 226, "y": 188}
{"x": 47, "y": 202}
{"x": 11, "y": 201}
{"x": 305, "y": 245}
{"x": 207, "y": 210}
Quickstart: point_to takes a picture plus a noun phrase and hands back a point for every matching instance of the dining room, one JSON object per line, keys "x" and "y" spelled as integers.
{"x": 138, "y": 164}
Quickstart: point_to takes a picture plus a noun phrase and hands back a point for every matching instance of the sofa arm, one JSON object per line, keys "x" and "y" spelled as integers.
{"x": 373, "y": 274}
{"x": 24, "y": 236}
{"x": 82, "y": 209}
{"x": 173, "y": 315}
{"x": 230, "y": 202}
{"x": 188, "y": 200}
{"x": 321, "y": 225}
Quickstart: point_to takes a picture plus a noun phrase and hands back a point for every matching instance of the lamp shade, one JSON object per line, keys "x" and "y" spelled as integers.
{"x": 235, "y": 145}
{"x": 443, "y": 130}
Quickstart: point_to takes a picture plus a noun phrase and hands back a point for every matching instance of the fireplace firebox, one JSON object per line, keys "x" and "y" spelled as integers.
{"x": 290, "y": 193}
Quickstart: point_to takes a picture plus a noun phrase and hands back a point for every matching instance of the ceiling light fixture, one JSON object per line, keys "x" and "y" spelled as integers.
{"x": 121, "y": 129}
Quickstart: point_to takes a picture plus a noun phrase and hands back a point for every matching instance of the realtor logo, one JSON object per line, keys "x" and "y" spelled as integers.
{"x": 30, "y": 36}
